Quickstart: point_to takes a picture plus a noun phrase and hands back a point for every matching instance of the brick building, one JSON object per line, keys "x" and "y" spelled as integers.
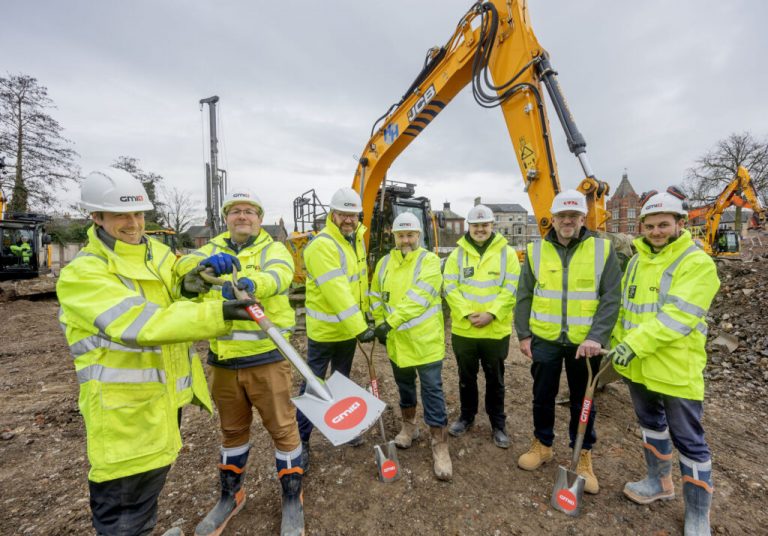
{"x": 624, "y": 208}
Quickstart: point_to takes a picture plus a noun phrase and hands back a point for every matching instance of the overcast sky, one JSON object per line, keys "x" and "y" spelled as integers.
{"x": 651, "y": 84}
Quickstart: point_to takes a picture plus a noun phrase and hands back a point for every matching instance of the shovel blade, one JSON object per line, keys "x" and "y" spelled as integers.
{"x": 568, "y": 492}
{"x": 350, "y": 412}
{"x": 387, "y": 464}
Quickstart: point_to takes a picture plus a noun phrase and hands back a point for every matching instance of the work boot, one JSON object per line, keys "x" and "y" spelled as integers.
{"x": 697, "y": 493}
{"x": 657, "y": 449}
{"x": 290, "y": 473}
{"x": 536, "y": 456}
{"x": 293, "y": 505}
{"x": 305, "y": 456}
{"x": 500, "y": 438}
{"x": 459, "y": 427}
{"x": 409, "y": 431}
{"x": 584, "y": 468}
{"x": 231, "y": 474}
{"x": 440, "y": 455}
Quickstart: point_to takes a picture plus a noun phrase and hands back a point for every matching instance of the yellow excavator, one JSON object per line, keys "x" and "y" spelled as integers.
{"x": 495, "y": 50}
{"x": 739, "y": 192}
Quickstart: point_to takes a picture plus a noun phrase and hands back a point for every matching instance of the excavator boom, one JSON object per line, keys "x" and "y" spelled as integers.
{"x": 495, "y": 49}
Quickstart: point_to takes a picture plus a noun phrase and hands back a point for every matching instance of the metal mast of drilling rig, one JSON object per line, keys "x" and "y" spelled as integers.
{"x": 215, "y": 178}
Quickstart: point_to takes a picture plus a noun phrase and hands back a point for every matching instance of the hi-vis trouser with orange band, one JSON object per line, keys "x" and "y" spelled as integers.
{"x": 128, "y": 340}
{"x": 565, "y": 299}
{"x": 337, "y": 285}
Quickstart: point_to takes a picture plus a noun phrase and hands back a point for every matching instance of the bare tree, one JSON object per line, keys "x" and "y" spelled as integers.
{"x": 717, "y": 167}
{"x": 151, "y": 181}
{"x": 178, "y": 209}
{"x": 28, "y": 134}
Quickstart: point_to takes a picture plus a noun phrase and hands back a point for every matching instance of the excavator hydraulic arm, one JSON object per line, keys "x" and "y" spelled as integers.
{"x": 495, "y": 49}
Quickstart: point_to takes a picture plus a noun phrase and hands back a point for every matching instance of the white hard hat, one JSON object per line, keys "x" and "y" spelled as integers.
{"x": 663, "y": 203}
{"x": 346, "y": 200}
{"x": 569, "y": 200}
{"x": 406, "y": 221}
{"x": 241, "y": 195}
{"x": 113, "y": 190}
{"x": 480, "y": 214}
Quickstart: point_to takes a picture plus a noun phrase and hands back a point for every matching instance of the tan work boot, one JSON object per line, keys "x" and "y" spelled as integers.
{"x": 409, "y": 431}
{"x": 536, "y": 456}
{"x": 442, "y": 458}
{"x": 584, "y": 468}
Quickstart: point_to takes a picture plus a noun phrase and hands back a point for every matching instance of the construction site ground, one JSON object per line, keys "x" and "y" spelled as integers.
{"x": 43, "y": 464}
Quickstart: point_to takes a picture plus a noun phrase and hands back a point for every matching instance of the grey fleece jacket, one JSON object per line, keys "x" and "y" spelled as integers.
{"x": 609, "y": 292}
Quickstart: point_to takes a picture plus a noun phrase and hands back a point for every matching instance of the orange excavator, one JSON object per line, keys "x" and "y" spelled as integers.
{"x": 740, "y": 192}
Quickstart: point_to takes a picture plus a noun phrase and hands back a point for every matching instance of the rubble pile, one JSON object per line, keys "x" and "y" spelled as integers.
{"x": 737, "y": 343}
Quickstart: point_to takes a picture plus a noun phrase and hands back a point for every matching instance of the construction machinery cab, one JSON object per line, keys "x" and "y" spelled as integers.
{"x": 18, "y": 261}
{"x": 727, "y": 242}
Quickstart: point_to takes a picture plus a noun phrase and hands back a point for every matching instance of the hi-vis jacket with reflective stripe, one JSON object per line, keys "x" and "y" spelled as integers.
{"x": 475, "y": 284}
{"x": 129, "y": 342}
{"x": 568, "y": 289}
{"x": 665, "y": 299}
{"x": 405, "y": 291}
{"x": 268, "y": 264}
{"x": 337, "y": 285}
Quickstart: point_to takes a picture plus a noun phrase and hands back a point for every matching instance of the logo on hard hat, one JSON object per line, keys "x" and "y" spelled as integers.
{"x": 129, "y": 198}
{"x": 240, "y": 195}
{"x": 571, "y": 203}
{"x": 348, "y": 204}
{"x": 346, "y": 413}
{"x": 655, "y": 205}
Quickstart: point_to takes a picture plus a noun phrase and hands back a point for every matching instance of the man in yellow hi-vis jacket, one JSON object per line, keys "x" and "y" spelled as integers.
{"x": 659, "y": 348}
{"x": 130, "y": 343}
{"x": 481, "y": 277}
{"x": 406, "y": 304}
{"x": 336, "y": 296}
{"x": 567, "y": 304}
{"x": 247, "y": 370}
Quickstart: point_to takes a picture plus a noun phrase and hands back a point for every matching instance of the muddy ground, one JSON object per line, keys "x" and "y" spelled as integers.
{"x": 43, "y": 462}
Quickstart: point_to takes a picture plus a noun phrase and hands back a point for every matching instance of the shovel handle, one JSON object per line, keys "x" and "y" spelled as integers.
{"x": 586, "y": 407}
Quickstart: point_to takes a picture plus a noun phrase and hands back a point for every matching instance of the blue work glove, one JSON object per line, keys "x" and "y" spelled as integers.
{"x": 221, "y": 263}
{"x": 381, "y": 332}
{"x": 621, "y": 355}
{"x": 228, "y": 289}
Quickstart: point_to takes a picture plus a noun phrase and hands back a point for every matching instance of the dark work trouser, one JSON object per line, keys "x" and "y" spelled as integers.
{"x": 658, "y": 412}
{"x": 338, "y": 355}
{"x": 470, "y": 355}
{"x": 430, "y": 376}
{"x": 548, "y": 358}
{"x": 127, "y": 506}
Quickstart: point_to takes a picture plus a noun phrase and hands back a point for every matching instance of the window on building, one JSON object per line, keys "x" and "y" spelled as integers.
{"x": 631, "y": 227}
{"x": 615, "y": 228}
{"x": 615, "y": 214}
{"x": 519, "y": 230}
{"x": 631, "y": 214}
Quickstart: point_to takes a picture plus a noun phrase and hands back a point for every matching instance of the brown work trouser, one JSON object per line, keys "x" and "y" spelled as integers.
{"x": 268, "y": 388}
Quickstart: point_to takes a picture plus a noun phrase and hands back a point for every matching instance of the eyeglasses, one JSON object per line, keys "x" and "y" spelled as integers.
{"x": 352, "y": 216}
{"x": 247, "y": 212}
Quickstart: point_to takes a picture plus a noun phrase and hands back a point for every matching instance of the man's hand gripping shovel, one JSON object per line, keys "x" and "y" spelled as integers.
{"x": 568, "y": 492}
{"x": 339, "y": 409}
{"x": 388, "y": 465}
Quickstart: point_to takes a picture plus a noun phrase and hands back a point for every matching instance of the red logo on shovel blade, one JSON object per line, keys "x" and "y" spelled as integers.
{"x": 566, "y": 500}
{"x": 346, "y": 413}
{"x": 389, "y": 469}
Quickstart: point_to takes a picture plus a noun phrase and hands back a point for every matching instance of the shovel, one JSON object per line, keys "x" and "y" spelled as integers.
{"x": 568, "y": 492}
{"x": 388, "y": 465}
{"x": 340, "y": 409}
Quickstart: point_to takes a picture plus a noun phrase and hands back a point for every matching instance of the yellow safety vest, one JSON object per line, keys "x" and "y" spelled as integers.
{"x": 405, "y": 291}
{"x": 129, "y": 339}
{"x": 269, "y": 265}
{"x": 337, "y": 285}
{"x": 476, "y": 284}
{"x": 665, "y": 299}
{"x": 565, "y": 299}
